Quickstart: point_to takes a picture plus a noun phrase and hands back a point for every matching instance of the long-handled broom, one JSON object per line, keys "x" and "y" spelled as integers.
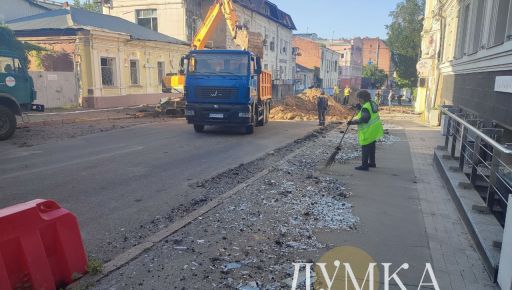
{"x": 337, "y": 150}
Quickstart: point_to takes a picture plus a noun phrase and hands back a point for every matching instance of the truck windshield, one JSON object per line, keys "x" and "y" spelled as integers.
{"x": 9, "y": 65}
{"x": 219, "y": 64}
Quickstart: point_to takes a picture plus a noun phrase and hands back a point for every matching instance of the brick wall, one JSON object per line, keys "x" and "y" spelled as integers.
{"x": 378, "y": 52}
{"x": 310, "y": 52}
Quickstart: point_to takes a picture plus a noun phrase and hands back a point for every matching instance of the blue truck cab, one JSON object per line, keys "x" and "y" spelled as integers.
{"x": 226, "y": 87}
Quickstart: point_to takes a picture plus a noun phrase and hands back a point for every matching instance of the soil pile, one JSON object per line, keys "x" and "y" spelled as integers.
{"x": 303, "y": 107}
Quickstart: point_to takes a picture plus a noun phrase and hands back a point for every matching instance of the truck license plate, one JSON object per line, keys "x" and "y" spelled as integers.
{"x": 220, "y": 116}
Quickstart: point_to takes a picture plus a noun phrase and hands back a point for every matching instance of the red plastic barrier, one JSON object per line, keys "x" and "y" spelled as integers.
{"x": 40, "y": 246}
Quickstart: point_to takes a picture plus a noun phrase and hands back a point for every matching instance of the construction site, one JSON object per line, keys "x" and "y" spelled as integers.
{"x": 255, "y": 145}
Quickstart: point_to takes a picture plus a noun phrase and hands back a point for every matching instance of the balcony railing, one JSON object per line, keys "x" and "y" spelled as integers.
{"x": 482, "y": 157}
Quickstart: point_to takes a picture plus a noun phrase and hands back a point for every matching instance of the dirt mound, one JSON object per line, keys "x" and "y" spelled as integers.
{"x": 303, "y": 107}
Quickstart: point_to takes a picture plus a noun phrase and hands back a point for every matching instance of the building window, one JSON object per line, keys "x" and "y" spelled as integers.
{"x": 107, "y": 71}
{"x": 161, "y": 71}
{"x": 147, "y": 18}
{"x": 134, "y": 72}
{"x": 464, "y": 29}
{"x": 477, "y": 38}
{"x": 273, "y": 44}
{"x": 500, "y": 23}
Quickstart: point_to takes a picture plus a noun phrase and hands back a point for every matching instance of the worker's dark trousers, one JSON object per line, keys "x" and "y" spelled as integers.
{"x": 321, "y": 117}
{"x": 345, "y": 100}
{"x": 369, "y": 154}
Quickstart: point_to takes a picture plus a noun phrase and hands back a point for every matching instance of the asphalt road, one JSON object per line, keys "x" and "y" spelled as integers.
{"x": 118, "y": 180}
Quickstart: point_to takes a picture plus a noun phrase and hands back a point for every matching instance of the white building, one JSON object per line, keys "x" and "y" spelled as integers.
{"x": 329, "y": 68}
{"x": 316, "y": 56}
{"x": 182, "y": 18}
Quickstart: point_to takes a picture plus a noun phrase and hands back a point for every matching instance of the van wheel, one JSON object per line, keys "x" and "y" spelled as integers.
{"x": 199, "y": 128}
{"x": 249, "y": 129}
{"x": 7, "y": 123}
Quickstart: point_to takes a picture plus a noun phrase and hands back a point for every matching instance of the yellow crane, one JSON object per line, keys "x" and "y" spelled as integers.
{"x": 241, "y": 36}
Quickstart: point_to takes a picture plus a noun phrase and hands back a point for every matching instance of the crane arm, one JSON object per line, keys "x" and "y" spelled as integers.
{"x": 208, "y": 26}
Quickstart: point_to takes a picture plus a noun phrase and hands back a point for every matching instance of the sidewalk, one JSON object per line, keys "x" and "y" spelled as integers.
{"x": 407, "y": 215}
{"x": 296, "y": 211}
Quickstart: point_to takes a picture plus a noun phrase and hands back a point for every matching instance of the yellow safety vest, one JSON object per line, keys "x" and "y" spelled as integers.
{"x": 371, "y": 131}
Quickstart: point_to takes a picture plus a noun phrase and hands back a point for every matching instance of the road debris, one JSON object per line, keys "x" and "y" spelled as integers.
{"x": 252, "y": 240}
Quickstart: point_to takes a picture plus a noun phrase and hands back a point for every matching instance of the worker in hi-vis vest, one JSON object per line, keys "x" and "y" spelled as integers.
{"x": 346, "y": 95}
{"x": 369, "y": 128}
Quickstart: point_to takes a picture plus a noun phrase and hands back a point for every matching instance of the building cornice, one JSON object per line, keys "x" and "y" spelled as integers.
{"x": 494, "y": 59}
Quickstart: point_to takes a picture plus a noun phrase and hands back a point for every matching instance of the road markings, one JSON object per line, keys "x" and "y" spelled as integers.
{"x": 73, "y": 162}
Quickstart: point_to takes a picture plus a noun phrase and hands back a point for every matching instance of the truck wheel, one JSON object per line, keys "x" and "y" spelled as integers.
{"x": 7, "y": 123}
{"x": 249, "y": 129}
{"x": 199, "y": 128}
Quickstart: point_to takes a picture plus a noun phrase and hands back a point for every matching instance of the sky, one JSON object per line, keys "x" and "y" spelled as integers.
{"x": 340, "y": 18}
{"x": 337, "y": 18}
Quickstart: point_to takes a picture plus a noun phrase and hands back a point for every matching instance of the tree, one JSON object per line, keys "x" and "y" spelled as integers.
{"x": 404, "y": 39}
{"x": 375, "y": 76}
{"x": 90, "y": 5}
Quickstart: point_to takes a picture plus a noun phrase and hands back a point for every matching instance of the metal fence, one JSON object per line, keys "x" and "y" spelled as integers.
{"x": 483, "y": 158}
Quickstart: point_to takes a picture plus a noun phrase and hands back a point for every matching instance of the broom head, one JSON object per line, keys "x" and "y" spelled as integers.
{"x": 332, "y": 158}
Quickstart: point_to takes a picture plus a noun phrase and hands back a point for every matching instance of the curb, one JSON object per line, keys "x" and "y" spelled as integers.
{"x": 73, "y": 121}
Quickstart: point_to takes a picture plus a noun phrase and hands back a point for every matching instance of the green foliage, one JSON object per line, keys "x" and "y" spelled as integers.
{"x": 404, "y": 39}
{"x": 375, "y": 76}
{"x": 95, "y": 267}
{"x": 90, "y": 5}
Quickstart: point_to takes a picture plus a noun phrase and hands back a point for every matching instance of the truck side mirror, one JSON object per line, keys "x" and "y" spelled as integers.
{"x": 258, "y": 65}
{"x": 182, "y": 66}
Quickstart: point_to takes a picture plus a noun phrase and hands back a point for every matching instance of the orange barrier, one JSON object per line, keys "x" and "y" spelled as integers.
{"x": 40, "y": 246}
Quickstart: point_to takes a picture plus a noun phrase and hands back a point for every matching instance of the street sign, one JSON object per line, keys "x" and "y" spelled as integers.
{"x": 503, "y": 84}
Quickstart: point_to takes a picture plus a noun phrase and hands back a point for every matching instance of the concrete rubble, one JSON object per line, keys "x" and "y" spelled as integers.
{"x": 252, "y": 240}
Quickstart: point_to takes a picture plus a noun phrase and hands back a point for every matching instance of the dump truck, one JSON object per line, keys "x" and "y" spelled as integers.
{"x": 227, "y": 87}
{"x": 224, "y": 86}
{"x": 17, "y": 92}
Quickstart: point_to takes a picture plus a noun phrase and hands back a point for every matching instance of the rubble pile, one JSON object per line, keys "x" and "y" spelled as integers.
{"x": 252, "y": 240}
{"x": 303, "y": 108}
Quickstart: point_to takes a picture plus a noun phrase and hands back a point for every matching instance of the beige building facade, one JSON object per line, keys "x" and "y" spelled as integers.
{"x": 112, "y": 68}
